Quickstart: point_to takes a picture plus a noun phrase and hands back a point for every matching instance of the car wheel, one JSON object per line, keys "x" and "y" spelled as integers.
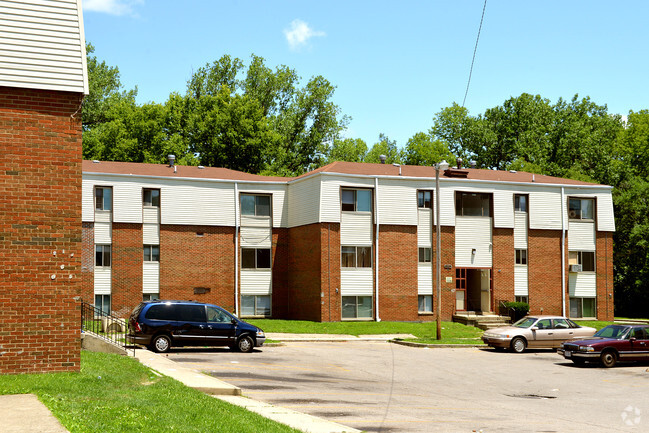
{"x": 245, "y": 344}
{"x": 608, "y": 358}
{"x": 160, "y": 343}
{"x": 518, "y": 345}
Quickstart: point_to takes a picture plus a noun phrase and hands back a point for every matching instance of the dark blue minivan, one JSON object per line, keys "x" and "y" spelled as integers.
{"x": 160, "y": 325}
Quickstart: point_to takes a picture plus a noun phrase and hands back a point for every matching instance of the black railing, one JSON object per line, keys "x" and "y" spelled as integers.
{"x": 105, "y": 326}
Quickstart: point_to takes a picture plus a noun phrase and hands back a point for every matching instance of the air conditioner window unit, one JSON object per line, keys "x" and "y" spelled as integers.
{"x": 575, "y": 268}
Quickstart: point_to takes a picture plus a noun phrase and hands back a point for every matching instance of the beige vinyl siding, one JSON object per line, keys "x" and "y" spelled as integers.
{"x": 397, "y": 200}
{"x": 520, "y": 230}
{"x": 150, "y": 277}
{"x": 424, "y": 227}
{"x": 424, "y": 279}
{"x": 42, "y": 45}
{"x": 150, "y": 234}
{"x": 356, "y": 228}
{"x": 103, "y": 233}
{"x": 447, "y": 204}
{"x": 87, "y": 200}
{"x": 330, "y": 194}
{"x": 520, "y": 280}
{"x": 356, "y": 282}
{"x": 303, "y": 202}
{"x": 151, "y": 215}
{"x": 256, "y": 282}
{"x": 605, "y": 216}
{"x": 582, "y": 284}
{"x": 103, "y": 216}
{"x": 545, "y": 209}
{"x": 255, "y": 221}
{"x": 102, "y": 281}
{"x": 470, "y": 233}
{"x": 503, "y": 206}
{"x": 197, "y": 203}
{"x": 279, "y": 205}
{"x": 581, "y": 236}
{"x": 256, "y": 237}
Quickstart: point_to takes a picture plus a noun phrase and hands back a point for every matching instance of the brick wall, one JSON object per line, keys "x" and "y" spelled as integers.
{"x": 544, "y": 271}
{"x": 189, "y": 260}
{"x": 88, "y": 262}
{"x": 398, "y": 261}
{"x": 604, "y": 268}
{"x": 126, "y": 268}
{"x": 280, "y": 262}
{"x": 40, "y": 214}
{"x": 503, "y": 266}
{"x": 330, "y": 272}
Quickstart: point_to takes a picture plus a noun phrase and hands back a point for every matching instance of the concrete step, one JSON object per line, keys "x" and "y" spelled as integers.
{"x": 482, "y": 321}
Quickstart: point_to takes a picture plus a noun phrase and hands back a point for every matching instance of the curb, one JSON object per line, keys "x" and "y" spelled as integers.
{"x": 439, "y": 346}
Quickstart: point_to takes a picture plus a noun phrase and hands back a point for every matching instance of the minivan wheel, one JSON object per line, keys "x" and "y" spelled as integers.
{"x": 160, "y": 343}
{"x": 245, "y": 344}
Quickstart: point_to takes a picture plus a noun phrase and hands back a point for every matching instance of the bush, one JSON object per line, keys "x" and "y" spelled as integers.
{"x": 516, "y": 310}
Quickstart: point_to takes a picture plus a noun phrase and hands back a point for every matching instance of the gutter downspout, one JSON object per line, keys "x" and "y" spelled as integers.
{"x": 236, "y": 249}
{"x": 563, "y": 255}
{"x": 376, "y": 260}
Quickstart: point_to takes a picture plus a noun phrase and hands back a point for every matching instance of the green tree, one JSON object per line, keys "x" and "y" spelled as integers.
{"x": 422, "y": 149}
{"x": 386, "y": 147}
{"x": 348, "y": 149}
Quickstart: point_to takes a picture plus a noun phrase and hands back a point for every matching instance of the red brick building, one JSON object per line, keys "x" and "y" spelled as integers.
{"x": 348, "y": 241}
{"x": 42, "y": 83}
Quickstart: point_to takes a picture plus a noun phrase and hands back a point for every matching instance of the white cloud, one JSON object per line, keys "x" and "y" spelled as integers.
{"x": 112, "y": 7}
{"x": 299, "y": 33}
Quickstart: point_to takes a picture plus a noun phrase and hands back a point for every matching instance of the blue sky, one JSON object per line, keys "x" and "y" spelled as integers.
{"x": 395, "y": 64}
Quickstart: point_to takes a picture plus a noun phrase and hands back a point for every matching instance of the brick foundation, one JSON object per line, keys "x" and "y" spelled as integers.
{"x": 40, "y": 215}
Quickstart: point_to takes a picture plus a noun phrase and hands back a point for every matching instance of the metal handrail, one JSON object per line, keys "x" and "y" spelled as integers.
{"x": 105, "y": 326}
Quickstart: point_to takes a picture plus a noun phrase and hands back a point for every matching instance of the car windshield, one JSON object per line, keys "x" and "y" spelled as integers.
{"x": 612, "y": 331}
{"x": 525, "y": 322}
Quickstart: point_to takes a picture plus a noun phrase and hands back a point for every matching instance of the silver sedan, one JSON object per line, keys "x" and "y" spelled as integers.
{"x": 538, "y": 332}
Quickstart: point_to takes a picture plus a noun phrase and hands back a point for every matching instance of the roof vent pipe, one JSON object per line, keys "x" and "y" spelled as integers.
{"x": 473, "y": 163}
{"x": 458, "y": 161}
{"x": 172, "y": 159}
{"x": 383, "y": 158}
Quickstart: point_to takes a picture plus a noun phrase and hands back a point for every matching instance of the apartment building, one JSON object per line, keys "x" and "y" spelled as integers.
{"x": 42, "y": 82}
{"x": 348, "y": 241}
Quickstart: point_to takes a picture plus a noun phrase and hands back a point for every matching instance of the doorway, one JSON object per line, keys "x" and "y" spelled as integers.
{"x": 473, "y": 290}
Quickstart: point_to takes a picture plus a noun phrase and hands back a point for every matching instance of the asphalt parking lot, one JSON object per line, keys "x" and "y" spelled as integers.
{"x": 384, "y": 387}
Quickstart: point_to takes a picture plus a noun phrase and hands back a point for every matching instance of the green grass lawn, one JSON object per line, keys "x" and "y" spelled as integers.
{"x": 452, "y": 333}
{"x": 117, "y": 394}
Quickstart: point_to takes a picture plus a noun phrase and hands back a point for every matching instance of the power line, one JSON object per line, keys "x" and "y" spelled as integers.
{"x": 474, "y": 51}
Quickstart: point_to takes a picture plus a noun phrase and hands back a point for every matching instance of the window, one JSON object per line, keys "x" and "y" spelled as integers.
{"x": 521, "y": 257}
{"x": 255, "y": 258}
{"x": 255, "y": 205}
{"x": 102, "y": 255}
{"x": 356, "y": 257}
{"x": 151, "y": 253}
{"x": 522, "y": 299}
{"x": 424, "y": 199}
{"x": 103, "y": 198}
{"x": 217, "y": 315}
{"x": 520, "y": 203}
{"x": 584, "y": 258}
{"x": 472, "y": 204}
{"x": 255, "y": 305}
{"x": 582, "y": 307}
{"x": 102, "y": 303}
{"x": 425, "y": 303}
{"x": 151, "y": 197}
{"x": 357, "y": 307}
{"x": 424, "y": 255}
{"x": 580, "y": 208}
{"x": 150, "y": 296}
{"x": 356, "y": 200}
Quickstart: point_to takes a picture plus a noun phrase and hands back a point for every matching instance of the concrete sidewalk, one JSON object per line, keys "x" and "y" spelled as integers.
{"x": 24, "y": 413}
{"x": 277, "y": 336}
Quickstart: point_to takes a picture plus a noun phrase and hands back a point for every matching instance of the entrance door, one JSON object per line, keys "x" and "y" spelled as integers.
{"x": 460, "y": 289}
{"x": 473, "y": 289}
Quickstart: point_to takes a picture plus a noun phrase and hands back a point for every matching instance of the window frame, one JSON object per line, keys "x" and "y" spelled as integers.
{"x": 580, "y": 260}
{"x": 105, "y": 199}
{"x": 150, "y": 254}
{"x": 421, "y": 199}
{"x": 256, "y": 307}
{"x": 580, "y": 307}
{"x": 150, "y": 297}
{"x": 520, "y": 256}
{"x": 459, "y": 203}
{"x": 104, "y": 255}
{"x": 356, "y": 305}
{"x": 426, "y": 304}
{"x": 355, "y": 191}
{"x": 152, "y": 201}
{"x": 424, "y": 250}
{"x": 102, "y": 307}
{"x": 257, "y": 253}
{"x": 357, "y": 258}
{"x": 257, "y": 205}
{"x": 522, "y": 298}
{"x": 579, "y": 217}
{"x": 517, "y": 203}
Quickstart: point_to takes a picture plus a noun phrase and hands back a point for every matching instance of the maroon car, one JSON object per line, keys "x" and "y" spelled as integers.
{"x": 609, "y": 345}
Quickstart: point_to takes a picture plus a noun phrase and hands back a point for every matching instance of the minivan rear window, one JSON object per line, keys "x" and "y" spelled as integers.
{"x": 177, "y": 313}
{"x": 161, "y": 312}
